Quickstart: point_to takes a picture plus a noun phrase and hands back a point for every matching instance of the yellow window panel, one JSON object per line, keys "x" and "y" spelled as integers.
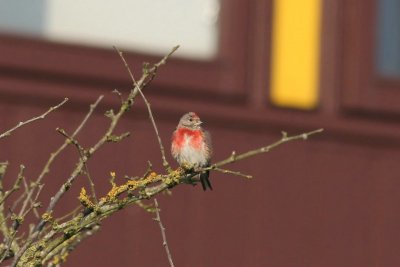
{"x": 296, "y": 53}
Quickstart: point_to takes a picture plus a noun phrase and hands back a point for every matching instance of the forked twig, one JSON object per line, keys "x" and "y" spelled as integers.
{"x": 53, "y": 156}
{"x": 83, "y": 155}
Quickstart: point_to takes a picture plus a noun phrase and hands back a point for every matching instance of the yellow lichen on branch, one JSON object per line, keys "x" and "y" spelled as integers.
{"x": 47, "y": 217}
{"x": 130, "y": 185}
{"x": 174, "y": 176}
{"x": 58, "y": 259}
{"x": 85, "y": 199}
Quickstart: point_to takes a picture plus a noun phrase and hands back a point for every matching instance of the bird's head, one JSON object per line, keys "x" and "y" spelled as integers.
{"x": 191, "y": 121}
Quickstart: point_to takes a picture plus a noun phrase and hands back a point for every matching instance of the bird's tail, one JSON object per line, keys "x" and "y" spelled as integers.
{"x": 205, "y": 182}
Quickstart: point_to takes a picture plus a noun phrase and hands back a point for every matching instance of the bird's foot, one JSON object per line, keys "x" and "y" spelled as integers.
{"x": 190, "y": 180}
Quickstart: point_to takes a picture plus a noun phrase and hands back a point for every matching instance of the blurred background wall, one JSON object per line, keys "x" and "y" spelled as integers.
{"x": 249, "y": 69}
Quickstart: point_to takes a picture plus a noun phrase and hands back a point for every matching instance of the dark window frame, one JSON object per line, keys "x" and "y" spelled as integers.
{"x": 224, "y": 75}
{"x": 363, "y": 88}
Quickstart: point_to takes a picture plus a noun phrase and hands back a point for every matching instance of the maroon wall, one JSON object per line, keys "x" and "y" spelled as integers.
{"x": 329, "y": 201}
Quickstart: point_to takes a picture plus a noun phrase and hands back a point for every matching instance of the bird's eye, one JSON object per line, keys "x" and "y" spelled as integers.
{"x": 190, "y": 119}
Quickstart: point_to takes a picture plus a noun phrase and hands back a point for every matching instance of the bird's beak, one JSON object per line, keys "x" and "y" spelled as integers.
{"x": 198, "y": 123}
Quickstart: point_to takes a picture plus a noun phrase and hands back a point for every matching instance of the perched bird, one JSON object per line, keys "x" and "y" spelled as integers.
{"x": 191, "y": 146}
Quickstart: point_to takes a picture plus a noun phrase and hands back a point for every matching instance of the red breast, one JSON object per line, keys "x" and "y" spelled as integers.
{"x": 181, "y": 134}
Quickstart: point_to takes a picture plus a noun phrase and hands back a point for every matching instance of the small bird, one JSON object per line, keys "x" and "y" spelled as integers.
{"x": 191, "y": 146}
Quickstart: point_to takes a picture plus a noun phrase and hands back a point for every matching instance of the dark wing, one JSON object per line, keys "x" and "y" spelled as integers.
{"x": 207, "y": 140}
{"x": 205, "y": 182}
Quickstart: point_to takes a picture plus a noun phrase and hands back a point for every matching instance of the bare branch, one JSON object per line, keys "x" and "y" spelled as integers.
{"x": 3, "y": 226}
{"x": 164, "y": 237}
{"x": 251, "y": 153}
{"x": 22, "y": 123}
{"x": 83, "y": 155}
{"x": 54, "y": 155}
{"x": 46, "y": 169}
{"x": 147, "y": 76}
{"x": 138, "y": 189}
{"x": 5, "y": 252}
{"x": 127, "y": 68}
{"x": 49, "y": 241}
{"x": 234, "y": 173}
{"x": 164, "y": 159}
{"x": 32, "y": 203}
{"x": 16, "y": 186}
{"x": 164, "y": 59}
{"x": 28, "y": 198}
{"x": 59, "y": 253}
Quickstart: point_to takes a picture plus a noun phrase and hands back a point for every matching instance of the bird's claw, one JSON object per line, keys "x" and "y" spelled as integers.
{"x": 191, "y": 181}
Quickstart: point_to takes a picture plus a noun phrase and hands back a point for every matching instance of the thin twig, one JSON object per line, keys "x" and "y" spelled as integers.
{"x": 234, "y": 173}
{"x": 72, "y": 140}
{"x": 53, "y": 155}
{"x": 148, "y": 186}
{"x": 155, "y": 67}
{"x": 21, "y": 197}
{"x": 22, "y": 123}
{"x": 27, "y": 200}
{"x": 10, "y": 240}
{"x": 3, "y": 170}
{"x": 151, "y": 188}
{"x": 147, "y": 76}
{"x": 83, "y": 154}
{"x": 34, "y": 203}
{"x": 69, "y": 214}
{"x": 162, "y": 229}
{"x": 72, "y": 244}
{"x": 3, "y": 226}
{"x": 46, "y": 169}
{"x": 164, "y": 159}
{"x": 26, "y": 186}
{"x": 265, "y": 149}
{"x": 55, "y": 237}
{"x": 16, "y": 185}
